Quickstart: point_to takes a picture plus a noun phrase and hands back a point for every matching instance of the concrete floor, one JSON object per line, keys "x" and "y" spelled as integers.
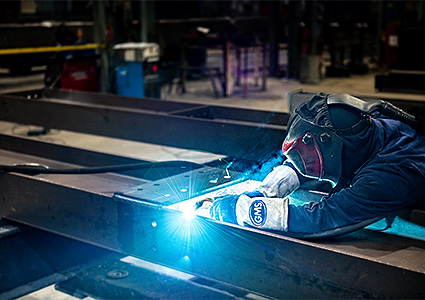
{"x": 275, "y": 98}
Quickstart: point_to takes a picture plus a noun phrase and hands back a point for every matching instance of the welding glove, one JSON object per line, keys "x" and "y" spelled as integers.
{"x": 224, "y": 208}
{"x": 252, "y": 209}
{"x": 265, "y": 208}
{"x": 279, "y": 183}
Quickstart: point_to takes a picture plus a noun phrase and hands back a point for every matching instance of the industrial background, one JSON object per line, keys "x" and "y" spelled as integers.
{"x": 171, "y": 100}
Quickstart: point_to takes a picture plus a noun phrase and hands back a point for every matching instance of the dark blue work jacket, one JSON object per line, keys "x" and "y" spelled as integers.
{"x": 392, "y": 177}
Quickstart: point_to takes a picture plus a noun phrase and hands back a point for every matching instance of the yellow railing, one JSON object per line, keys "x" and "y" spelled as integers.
{"x": 50, "y": 49}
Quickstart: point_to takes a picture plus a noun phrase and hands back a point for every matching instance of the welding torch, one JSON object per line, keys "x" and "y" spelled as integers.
{"x": 201, "y": 202}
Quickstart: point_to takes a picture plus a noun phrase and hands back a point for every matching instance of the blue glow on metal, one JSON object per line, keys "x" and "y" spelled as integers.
{"x": 188, "y": 207}
{"x": 136, "y": 262}
{"x": 400, "y": 227}
{"x": 184, "y": 263}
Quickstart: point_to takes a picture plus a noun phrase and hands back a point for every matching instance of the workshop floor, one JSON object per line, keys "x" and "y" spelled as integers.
{"x": 275, "y": 97}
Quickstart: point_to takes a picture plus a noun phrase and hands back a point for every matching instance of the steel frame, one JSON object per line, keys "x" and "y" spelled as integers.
{"x": 362, "y": 265}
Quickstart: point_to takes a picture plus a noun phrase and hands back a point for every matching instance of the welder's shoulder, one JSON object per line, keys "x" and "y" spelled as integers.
{"x": 393, "y": 129}
{"x": 391, "y": 179}
{"x": 401, "y": 146}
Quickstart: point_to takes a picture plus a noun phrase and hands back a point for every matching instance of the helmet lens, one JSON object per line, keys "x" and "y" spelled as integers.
{"x": 305, "y": 154}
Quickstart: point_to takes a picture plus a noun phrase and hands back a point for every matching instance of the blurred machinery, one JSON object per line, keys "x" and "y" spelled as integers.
{"x": 27, "y": 45}
{"x": 124, "y": 234}
{"x": 136, "y": 70}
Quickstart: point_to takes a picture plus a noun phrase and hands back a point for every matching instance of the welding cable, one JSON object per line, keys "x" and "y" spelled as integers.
{"x": 34, "y": 168}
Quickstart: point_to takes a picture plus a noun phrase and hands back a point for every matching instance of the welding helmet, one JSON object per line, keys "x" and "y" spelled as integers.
{"x": 314, "y": 141}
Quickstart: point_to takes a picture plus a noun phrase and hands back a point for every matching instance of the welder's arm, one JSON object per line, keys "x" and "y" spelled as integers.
{"x": 375, "y": 192}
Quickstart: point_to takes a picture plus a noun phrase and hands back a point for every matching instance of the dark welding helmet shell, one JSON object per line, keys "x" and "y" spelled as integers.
{"x": 314, "y": 150}
{"x": 312, "y": 143}
{"x": 317, "y": 132}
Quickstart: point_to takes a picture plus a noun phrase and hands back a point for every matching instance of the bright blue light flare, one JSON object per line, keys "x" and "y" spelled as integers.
{"x": 184, "y": 263}
{"x": 188, "y": 213}
{"x": 187, "y": 228}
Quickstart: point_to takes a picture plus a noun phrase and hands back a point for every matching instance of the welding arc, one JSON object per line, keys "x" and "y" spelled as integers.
{"x": 32, "y": 169}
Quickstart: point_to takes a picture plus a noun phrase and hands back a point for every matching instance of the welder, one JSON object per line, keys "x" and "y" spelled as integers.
{"x": 367, "y": 160}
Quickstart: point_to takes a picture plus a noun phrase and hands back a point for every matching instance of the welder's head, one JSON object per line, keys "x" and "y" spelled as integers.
{"x": 315, "y": 137}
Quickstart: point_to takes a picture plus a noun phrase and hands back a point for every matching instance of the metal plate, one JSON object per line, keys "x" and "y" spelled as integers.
{"x": 184, "y": 186}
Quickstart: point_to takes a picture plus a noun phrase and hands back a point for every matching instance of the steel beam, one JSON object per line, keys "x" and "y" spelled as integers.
{"x": 247, "y": 134}
{"x": 77, "y": 156}
{"x": 364, "y": 265}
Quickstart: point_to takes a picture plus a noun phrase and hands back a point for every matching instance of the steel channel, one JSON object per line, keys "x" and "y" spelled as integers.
{"x": 170, "y": 107}
{"x": 252, "y": 141}
{"x": 151, "y": 104}
{"x": 269, "y": 264}
{"x": 63, "y": 153}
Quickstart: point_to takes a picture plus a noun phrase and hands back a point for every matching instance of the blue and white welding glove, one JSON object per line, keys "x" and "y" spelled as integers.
{"x": 252, "y": 209}
{"x": 265, "y": 208}
{"x": 224, "y": 208}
